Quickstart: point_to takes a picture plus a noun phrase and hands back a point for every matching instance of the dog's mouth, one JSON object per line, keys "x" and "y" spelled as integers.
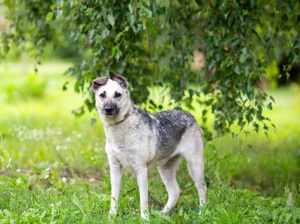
{"x": 110, "y": 114}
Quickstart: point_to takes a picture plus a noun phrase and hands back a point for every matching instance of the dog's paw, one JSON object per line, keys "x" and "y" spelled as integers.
{"x": 202, "y": 210}
{"x": 166, "y": 210}
{"x": 145, "y": 216}
{"x": 112, "y": 212}
{"x": 111, "y": 215}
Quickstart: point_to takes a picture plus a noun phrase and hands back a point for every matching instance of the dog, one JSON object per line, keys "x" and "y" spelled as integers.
{"x": 138, "y": 141}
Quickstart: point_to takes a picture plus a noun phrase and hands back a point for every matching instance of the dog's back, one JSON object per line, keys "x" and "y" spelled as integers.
{"x": 167, "y": 129}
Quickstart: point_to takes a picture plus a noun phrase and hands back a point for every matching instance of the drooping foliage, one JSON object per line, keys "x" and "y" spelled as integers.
{"x": 153, "y": 43}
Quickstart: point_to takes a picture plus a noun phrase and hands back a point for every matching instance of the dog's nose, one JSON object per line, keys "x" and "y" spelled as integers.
{"x": 109, "y": 111}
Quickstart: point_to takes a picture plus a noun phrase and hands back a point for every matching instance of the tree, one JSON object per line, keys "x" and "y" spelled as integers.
{"x": 152, "y": 44}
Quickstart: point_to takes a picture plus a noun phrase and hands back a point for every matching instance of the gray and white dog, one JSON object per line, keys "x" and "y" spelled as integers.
{"x": 138, "y": 141}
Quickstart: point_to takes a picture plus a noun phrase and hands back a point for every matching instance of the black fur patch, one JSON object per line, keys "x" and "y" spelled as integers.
{"x": 169, "y": 127}
{"x": 172, "y": 124}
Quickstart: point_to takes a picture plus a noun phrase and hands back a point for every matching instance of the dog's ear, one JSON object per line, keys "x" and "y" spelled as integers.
{"x": 99, "y": 82}
{"x": 120, "y": 79}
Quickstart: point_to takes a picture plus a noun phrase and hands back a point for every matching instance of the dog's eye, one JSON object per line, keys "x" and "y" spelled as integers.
{"x": 103, "y": 95}
{"x": 117, "y": 95}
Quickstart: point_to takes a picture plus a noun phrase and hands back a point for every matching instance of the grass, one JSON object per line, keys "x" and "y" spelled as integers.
{"x": 54, "y": 169}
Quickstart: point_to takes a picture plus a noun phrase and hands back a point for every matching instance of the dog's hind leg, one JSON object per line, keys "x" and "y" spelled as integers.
{"x": 168, "y": 175}
{"x": 196, "y": 170}
{"x": 193, "y": 143}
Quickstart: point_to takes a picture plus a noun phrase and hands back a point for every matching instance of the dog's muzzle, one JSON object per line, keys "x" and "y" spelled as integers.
{"x": 110, "y": 109}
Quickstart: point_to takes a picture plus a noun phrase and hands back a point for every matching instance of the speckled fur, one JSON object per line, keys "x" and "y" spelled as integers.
{"x": 137, "y": 140}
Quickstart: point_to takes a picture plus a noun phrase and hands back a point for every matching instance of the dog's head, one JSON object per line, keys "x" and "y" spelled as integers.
{"x": 112, "y": 97}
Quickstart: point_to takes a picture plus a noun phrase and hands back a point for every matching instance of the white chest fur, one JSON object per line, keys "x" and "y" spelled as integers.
{"x": 130, "y": 143}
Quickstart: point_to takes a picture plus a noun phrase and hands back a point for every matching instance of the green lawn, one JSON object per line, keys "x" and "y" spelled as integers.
{"x": 53, "y": 168}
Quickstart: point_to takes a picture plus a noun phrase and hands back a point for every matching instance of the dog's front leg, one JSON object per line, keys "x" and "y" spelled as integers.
{"x": 142, "y": 178}
{"x": 115, "y": 179}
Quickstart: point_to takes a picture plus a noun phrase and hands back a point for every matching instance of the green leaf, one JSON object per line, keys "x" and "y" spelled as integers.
{"x": 246, "y": 70}
{"x": 269, "y": 106}
{"x": 256, "y": 126}
{"x": 116, "y": 52}
{"x": 131, "y": 7}
{"x": 64, "y": 88}
{"x": 272, "y": 98}
{"x": 50, "y": 16}
{"x": 147, "y": 2}
{"x": 294, "y": 58}
{"x": 237, "y": 70}
{"x": 93, "y": 121}
{"x": 118, "y": 36}
{"x": 59, "y": 13}
{"x": 131, "y": 19}
{"x": 242, "y": 58}
{"x": 216, "y": 125}
{"x": 249, "y": 118}
{"x": 111, "y": 19}
{"x": 235, "y": 43}
{"x": 125, "y": 44}
{"x": 297, "y": 45}
{"x": 211, "y": 64}
{"x": 191, "y": 92}
{"x": 52, "y": 7}
{"x": 227, "y": 14}
{"x": 148, "y": 12}
{"x": 137, "y": 28}
{"x": 251, "y": 95}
